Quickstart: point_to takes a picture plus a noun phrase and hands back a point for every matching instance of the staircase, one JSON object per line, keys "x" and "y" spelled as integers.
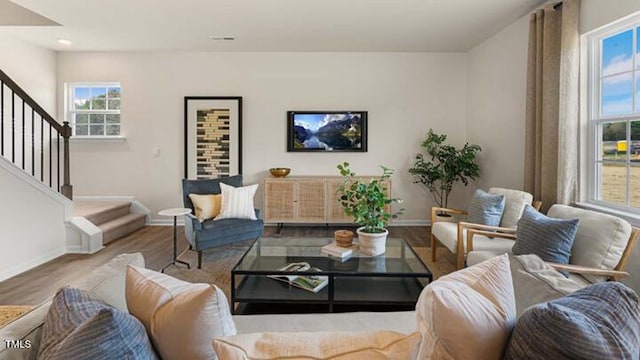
{"x": 114, "y": 218}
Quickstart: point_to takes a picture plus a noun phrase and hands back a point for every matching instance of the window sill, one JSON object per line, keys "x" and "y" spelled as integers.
{"x": 631, "y": 217}
{"x": 97, "y": 139}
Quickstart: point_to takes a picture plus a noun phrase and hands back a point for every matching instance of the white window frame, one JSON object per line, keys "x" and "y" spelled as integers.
{"x": 69, "y": 110}
{"x": 594, "y": 120}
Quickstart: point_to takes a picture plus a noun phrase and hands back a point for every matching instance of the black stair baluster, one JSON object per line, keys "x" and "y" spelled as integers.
{"x": 1, "y": 118}
{"x": 33, "y": 142}
{"x": 23, "y": 135}
{"x": 13, "y": 127}
{"x": 50, "y": 160}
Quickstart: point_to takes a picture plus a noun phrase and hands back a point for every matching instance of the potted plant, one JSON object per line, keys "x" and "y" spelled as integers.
{"x": 444, "y": 166}
{"x": 365, "y": 201}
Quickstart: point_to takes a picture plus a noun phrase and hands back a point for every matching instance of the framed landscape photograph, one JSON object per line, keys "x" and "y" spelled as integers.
{"x": 326, "y": 131}
{"x": 212, "y": 136}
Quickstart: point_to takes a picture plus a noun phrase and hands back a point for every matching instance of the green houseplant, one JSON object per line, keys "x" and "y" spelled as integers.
{"x": 444, "y": 166}
{"x": 365, "y": 201}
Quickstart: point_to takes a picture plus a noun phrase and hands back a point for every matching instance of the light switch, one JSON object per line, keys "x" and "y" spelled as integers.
{"x": 155, "y": 151}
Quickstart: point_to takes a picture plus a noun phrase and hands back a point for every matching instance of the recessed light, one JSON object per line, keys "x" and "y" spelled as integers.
{"x": 222, "y": 37}
{"x": 64, "y": 41}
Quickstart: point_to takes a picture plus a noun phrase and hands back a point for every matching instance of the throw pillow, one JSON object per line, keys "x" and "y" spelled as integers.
{"x": 485, "y": 208}
{"x": 468, "y": 314}
{"x": 181, "y": 318}
{"x": 107, "y": 282}
{"x": 237, "y": 202}
{"x": 79, "y": 326}
{"x": 333, "y": 345}
{"x": 550, "y": 239}
{"x": 601, "y": 321}
{"x": 206, "y": 206}
{"x": 515, "y": 200}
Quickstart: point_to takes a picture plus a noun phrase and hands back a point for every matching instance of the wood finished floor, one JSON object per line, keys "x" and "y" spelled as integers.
{"x": 155, "y": 243}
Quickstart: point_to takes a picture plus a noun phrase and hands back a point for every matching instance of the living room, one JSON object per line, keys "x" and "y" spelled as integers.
{"x": 468, "y": 85}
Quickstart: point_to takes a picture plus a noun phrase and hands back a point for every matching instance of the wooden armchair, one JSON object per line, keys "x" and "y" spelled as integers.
{"x": 453, "y": 235}
{"x": 600, "y": 252}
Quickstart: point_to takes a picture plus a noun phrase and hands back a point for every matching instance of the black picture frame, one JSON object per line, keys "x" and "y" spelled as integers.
{"x": 220, "y": 119}
{"x": 339, "y": 143}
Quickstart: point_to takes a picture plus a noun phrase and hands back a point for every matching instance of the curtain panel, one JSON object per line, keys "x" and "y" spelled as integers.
{"x": 552, "y": 104}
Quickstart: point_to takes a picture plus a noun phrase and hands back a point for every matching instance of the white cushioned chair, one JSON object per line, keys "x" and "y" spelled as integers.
{"x": 600, "y": 251}
{"x": 453, "y": 235}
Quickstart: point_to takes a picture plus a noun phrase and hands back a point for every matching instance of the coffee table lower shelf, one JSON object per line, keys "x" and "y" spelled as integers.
{"x": 258, "y": 294}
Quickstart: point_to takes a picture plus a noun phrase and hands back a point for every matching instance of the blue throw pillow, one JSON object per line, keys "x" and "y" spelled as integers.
{"x": 485, "y": 208}
{"x": 551, "y": 239}
{"x": 601, "y": 321}
{"x": 78, "y": 326}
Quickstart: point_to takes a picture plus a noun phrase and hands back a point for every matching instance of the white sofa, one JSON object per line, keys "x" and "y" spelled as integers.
{"x": 107, "y": 283}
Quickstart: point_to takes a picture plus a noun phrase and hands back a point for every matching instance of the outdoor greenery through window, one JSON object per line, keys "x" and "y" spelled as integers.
{"x": 95, "y": 109}
{"x": 614, "y": 115}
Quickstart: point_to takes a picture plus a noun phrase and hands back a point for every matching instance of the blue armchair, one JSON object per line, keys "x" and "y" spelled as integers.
{"x": 212, "y": 233}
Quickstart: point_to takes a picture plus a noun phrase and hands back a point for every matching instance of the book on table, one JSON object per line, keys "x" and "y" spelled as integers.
{"x": 333, "y": 249}
{"x": 313, "y": 283}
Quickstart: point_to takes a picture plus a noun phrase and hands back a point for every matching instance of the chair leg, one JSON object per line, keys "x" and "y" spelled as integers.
{"x": 199, "y": 259}
{"x": 434, "y": 246}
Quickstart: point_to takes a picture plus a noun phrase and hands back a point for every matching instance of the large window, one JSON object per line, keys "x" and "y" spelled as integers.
{"x": 614, "y": 115}
{"x": 94, "y": 109}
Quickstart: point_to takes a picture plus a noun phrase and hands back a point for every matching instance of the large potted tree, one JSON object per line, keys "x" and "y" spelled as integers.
{"x": 443, "y": 166}
{"x": 365, "y": 201}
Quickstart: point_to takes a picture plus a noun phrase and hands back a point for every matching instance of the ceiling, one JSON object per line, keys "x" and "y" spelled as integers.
{"x": 264, "y": 25}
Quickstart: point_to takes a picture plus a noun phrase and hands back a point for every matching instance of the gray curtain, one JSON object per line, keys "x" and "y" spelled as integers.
{"x": 552, "y": 116}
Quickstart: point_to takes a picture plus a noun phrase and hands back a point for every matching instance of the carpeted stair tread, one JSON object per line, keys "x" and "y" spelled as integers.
{"x": 101, "y": 212}
{"x": 121, "y": 226}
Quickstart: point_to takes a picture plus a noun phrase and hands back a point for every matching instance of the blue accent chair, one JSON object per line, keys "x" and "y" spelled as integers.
{"x": 212, "y": 233}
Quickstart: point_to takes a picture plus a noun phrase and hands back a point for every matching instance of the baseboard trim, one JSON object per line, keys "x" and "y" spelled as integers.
{"x": 30, "y": 264}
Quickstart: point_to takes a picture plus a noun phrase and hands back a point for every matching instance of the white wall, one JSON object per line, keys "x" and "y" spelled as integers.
{"x": 496, "y": 91}
{"x": 32, "y": 67}
{"x": 596, "y": 13}
{"x": 405, "y": 94}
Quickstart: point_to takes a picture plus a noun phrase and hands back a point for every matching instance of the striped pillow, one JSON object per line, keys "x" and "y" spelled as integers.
{"x": 551, "y": 239}
{"x": 237, "y": 203}
{"x": 79, "y": 326}
{"x": 601, "y": 321}
{"x": 485, "y": 208}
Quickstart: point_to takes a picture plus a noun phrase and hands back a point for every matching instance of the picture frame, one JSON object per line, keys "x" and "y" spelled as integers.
{"x": 212, "y": 136}
{"x": 326, "y": 131}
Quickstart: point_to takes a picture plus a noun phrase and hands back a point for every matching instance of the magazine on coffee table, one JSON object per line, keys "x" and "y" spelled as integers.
{"x": 311, "y": 283}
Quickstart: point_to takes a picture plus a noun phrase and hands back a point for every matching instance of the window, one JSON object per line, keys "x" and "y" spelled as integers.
{"x": 94, "y": 109}
{"x": 614, "y": 115}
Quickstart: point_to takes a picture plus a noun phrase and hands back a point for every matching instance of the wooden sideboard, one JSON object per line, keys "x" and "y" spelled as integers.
{"x": 306, "y": 199}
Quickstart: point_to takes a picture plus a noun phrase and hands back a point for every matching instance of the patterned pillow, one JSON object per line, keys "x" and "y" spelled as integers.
{"x": 601, "y": 321}
{"x": 550, "y": 239}
{"x": 79, "y": 326}
{"x": 237, "y": 202}
{"x": 485, "y": 208}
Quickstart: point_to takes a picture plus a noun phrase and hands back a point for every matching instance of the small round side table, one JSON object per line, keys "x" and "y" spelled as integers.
{"x": 175, "y": 213}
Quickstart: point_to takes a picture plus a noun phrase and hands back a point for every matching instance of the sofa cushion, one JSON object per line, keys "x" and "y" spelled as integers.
{"x": 237, "y": 202}
{"x": 336, "y": 345}
{"x": 206, "y": 206}
{"x": 485, "y": 208}
{"x": 600, "y": 239}
{"x": 206, "y": 186}
{"x": 468, "y": 314}
{"x": 514, "y": 202}
{"x": 551, "y": 239}
{"x": 601, "y": 321}
{"x": 78, "y": 325}
{"x": 107, "y": 282}
{"x": 535, "y": 282}
{"x": 181, "y": 318}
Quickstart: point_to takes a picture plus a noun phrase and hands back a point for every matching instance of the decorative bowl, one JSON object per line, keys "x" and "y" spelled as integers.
{"x": 279, "y": 172}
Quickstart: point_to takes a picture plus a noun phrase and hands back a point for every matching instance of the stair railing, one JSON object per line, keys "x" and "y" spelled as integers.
{"x": 21, "y": 115}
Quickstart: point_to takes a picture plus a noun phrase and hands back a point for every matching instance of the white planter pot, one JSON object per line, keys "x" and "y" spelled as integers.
{"x": 372, "y": 244}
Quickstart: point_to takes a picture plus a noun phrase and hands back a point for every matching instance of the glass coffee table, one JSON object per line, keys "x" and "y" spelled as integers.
{"x": 388, "y": 282}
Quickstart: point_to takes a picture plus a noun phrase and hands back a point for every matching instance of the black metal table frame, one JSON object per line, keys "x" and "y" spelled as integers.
{"x": 175, "y": 260}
